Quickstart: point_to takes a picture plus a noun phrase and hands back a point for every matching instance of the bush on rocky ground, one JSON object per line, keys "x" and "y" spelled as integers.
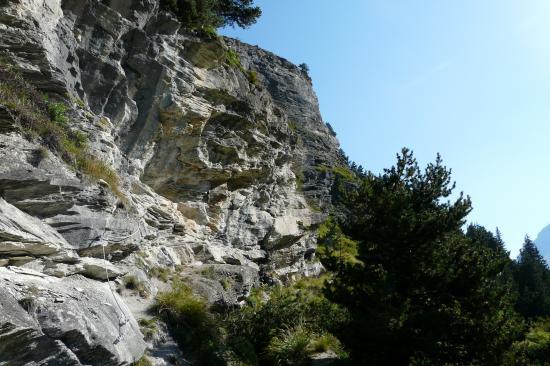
{"x": 276, "y": 326}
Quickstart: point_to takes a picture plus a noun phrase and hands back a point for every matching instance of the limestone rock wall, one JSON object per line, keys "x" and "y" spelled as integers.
{"x": 218, "y": 163}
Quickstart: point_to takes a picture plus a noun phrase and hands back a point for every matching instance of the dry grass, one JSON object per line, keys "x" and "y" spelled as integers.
{"x": 98, "y": 169}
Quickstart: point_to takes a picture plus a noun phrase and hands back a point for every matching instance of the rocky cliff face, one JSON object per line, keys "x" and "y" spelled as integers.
{"x": 218, "y": 147}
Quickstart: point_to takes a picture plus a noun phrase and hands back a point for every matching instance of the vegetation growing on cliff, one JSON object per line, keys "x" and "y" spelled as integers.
{"x": 47, "y": 122}
{"x": 208, "y": 14}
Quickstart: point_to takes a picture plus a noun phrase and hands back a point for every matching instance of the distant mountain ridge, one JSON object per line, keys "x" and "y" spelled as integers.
{"x": 543, "y": 243}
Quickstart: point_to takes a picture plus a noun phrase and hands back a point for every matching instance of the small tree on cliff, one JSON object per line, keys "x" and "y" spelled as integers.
{"x": 203, "y": 14}
{"x": 418, "y": 290}
{"x": 304, "y": 68}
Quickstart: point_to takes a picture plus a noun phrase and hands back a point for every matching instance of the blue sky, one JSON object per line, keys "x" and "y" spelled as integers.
{"x": 469, "y": 79}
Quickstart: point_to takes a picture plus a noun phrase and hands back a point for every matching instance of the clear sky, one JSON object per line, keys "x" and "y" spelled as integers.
{"x": 469, "y": 79}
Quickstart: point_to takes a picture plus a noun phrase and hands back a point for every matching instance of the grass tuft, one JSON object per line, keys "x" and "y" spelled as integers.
{"x": 182, "y": 304}
{"x": 293, "y": 126}
{"x": 162, "y": 273}
{"x": 290, "y": 347}
{"x": 232, "y": 59}
{"x": 133, "y": 283}
{"x": 148, "y": 327}
{"x": 98, "y": 169}
{"x": 143, "y": 361}
{"x": 191, "y": 322}
{"x": 209, "y": 272}
{"x": 327, "y": 342}
{"x": 252, "y": 77}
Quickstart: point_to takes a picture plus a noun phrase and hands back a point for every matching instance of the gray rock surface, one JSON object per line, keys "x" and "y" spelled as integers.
{"x": 23, "y": 234}
{"x": 68, "y": 321}
{"x": 219, "y": 174}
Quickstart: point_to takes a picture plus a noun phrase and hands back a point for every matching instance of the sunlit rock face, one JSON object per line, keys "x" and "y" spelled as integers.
{"x": 219, "y": 167}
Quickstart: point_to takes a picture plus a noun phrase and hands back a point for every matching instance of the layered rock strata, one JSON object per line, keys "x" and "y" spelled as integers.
{"x": 222, "y": 168}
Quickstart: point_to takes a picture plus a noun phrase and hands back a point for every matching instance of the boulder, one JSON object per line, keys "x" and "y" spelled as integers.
{"x": 22, "y": 234}
{"x": 46, "y": 320}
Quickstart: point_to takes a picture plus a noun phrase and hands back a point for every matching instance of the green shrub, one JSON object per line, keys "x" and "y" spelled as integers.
{"x": 304, "y": 68}
{"x": 534, "y": 349}
{"x": 182, "y": 304}
{"x": 192, "y": 323}
{"x": 194, "y": 14}
{"x": 80, "y": 138}
{"x": 58, "y": 113}
{"x": 103, "y": 122}
{"x": 38, "y": 155}
{"x": 334, "y": 245}
{"x": 275, "y": 311}
{"x": 98, "y": 169}
{"x": 281, "y": 325}
{"x": 344, "y": 173}
{"x": 299, "y": 174}
{"x": 322, "y": 168}
{"x": 233, "y": 59}
{"x": 28, "y": 303}
{"x": 330, "y": 129}
{"x": 79, "y": 102}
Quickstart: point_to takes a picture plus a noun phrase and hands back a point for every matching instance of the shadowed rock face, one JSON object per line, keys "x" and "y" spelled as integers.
{"x": 218, "y": 164}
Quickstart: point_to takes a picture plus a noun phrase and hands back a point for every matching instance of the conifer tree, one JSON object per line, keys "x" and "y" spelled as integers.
{"x": 532, "y": 278}
{"x": 203, "y": 14}
{"x": 419, "y": 291}
{"x": 481, "y": 236}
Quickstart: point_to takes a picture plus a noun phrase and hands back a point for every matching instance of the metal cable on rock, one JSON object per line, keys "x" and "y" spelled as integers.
{"x": 122, "y": 320}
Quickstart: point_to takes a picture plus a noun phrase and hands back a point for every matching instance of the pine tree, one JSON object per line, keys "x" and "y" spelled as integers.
{"x": 242, "y": 13}
{"x": 419, "y": 291}
{"x": 481, "y": 236}
{"x": 203, "y": 14}
{"x": 532, "y": 278}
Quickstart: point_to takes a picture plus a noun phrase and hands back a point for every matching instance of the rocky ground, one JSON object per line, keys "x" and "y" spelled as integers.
{"x": 224, "y": 171}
